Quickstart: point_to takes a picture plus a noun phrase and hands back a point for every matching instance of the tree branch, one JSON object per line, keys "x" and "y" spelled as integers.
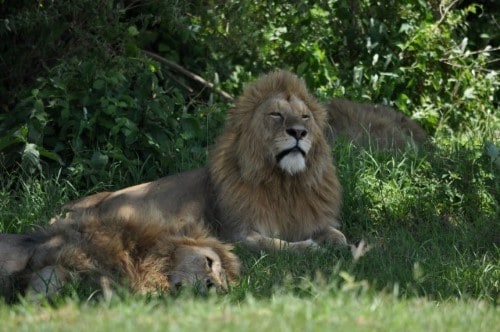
{"x": 189, "y": 74}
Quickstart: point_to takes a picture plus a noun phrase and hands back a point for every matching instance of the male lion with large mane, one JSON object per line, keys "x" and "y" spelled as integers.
{"x": 270, "y": 182}
{"x": 145, "y": 257}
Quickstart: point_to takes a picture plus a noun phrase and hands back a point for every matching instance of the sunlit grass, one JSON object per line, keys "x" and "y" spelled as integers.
{"x": 350, "y": 308}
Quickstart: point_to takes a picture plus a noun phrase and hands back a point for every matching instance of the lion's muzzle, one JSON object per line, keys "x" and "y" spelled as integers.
{"x": 295, "y": 149}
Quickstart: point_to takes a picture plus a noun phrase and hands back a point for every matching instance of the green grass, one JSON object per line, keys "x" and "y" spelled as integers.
{"x": 432, "y": 218}
{"x": 326, "y": 309}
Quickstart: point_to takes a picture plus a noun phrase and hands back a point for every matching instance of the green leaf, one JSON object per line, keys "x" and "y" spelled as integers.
{"x": 99, "y": 84}
{"x": 50, "y": 155}
{"x": 132, "y": 30}
{"x": 302, "y": 68}
{"x": 13, "y": 137}
{"x": 38, "y": 106}
{"x": 99, "y": 160}
{"x": 31, "y": 158}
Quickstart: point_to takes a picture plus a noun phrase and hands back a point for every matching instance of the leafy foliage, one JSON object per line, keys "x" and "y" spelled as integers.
{"x": 105, "y": 108}
{"x": 405, "y": 54}
{"x": 78, "y": 93}
{"x": 87, "y": 115}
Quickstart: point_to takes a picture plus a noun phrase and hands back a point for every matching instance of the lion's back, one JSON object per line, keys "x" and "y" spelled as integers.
{"x": 373, "y": 125}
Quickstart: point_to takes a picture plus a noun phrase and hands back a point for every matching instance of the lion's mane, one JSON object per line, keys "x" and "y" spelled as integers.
{"x": 141, "y": 253}
{"x": 138, "y": 255}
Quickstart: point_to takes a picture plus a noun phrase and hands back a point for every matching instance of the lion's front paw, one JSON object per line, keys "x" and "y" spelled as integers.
{"x": 331, "y": 236}
{"x": 308, "y": 244}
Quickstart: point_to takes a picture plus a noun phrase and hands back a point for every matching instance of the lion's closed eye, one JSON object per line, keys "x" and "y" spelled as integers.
{"x": 276, "y": 115}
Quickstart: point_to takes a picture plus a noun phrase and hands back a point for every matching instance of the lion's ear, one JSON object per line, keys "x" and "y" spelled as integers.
{"x": 209, "y": 262}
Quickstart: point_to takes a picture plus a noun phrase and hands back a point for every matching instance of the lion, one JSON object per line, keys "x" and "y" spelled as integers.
{"x": 144, "y": 257}
{"x": 373, "y": 126}
{"x": 270, "y": 182}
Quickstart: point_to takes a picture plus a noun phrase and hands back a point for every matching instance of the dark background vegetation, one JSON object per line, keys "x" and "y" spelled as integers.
{"x": 88, "y": 97}
{"x": 77, "y": 92}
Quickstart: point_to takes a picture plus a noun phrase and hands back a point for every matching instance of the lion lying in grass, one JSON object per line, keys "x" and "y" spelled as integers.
{"x": 144, "y": 256}
{"x": 375, "y": 126}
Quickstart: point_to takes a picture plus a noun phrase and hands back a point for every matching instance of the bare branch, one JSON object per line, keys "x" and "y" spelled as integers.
{"x": 189, "y": 74}
{"x": 444, "y": 9}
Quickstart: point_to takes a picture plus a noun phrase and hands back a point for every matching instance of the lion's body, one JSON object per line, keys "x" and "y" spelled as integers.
{"x": 270, "y": 181}
{"x": 185, "y": 196}
{"x": 144, "y": 256}
{"x": 374, "y": 126}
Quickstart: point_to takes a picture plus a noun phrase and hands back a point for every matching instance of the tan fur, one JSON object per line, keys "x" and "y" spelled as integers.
{"x": 252, "y": 191}
{"x": 376, "y": 126}
{"x": 146, "y": 257}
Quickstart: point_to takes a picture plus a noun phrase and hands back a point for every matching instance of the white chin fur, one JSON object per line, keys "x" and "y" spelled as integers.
{"x": 293, "y": 163}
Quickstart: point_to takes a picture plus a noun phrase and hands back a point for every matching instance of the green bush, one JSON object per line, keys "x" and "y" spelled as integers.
{"x": 79, "y": 94}
{"x": 406, "y": 54}
{"x": 88, "y": 115}
{"x": 103, "y": 106}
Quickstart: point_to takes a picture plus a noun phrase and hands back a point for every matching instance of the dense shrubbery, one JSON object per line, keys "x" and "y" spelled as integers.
{"x": 77, "y": 92}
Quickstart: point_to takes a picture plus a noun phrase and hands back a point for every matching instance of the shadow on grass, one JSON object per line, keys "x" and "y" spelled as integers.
{"x": 433, "y": 219}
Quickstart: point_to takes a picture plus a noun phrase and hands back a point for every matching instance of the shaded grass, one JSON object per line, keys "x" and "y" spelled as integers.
{"x": 432, "y": 218}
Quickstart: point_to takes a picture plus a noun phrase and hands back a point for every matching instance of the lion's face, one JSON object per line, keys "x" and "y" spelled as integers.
{"x": 198, "y": 265}
{"x": 289, "y": 131}
{"x": 275, "y": 127}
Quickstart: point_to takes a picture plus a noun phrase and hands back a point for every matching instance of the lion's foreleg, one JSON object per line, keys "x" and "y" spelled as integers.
{"x": 256, "y": 241}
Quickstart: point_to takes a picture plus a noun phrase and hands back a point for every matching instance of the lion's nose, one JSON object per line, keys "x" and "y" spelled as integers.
{"x": 296, "y": 132}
